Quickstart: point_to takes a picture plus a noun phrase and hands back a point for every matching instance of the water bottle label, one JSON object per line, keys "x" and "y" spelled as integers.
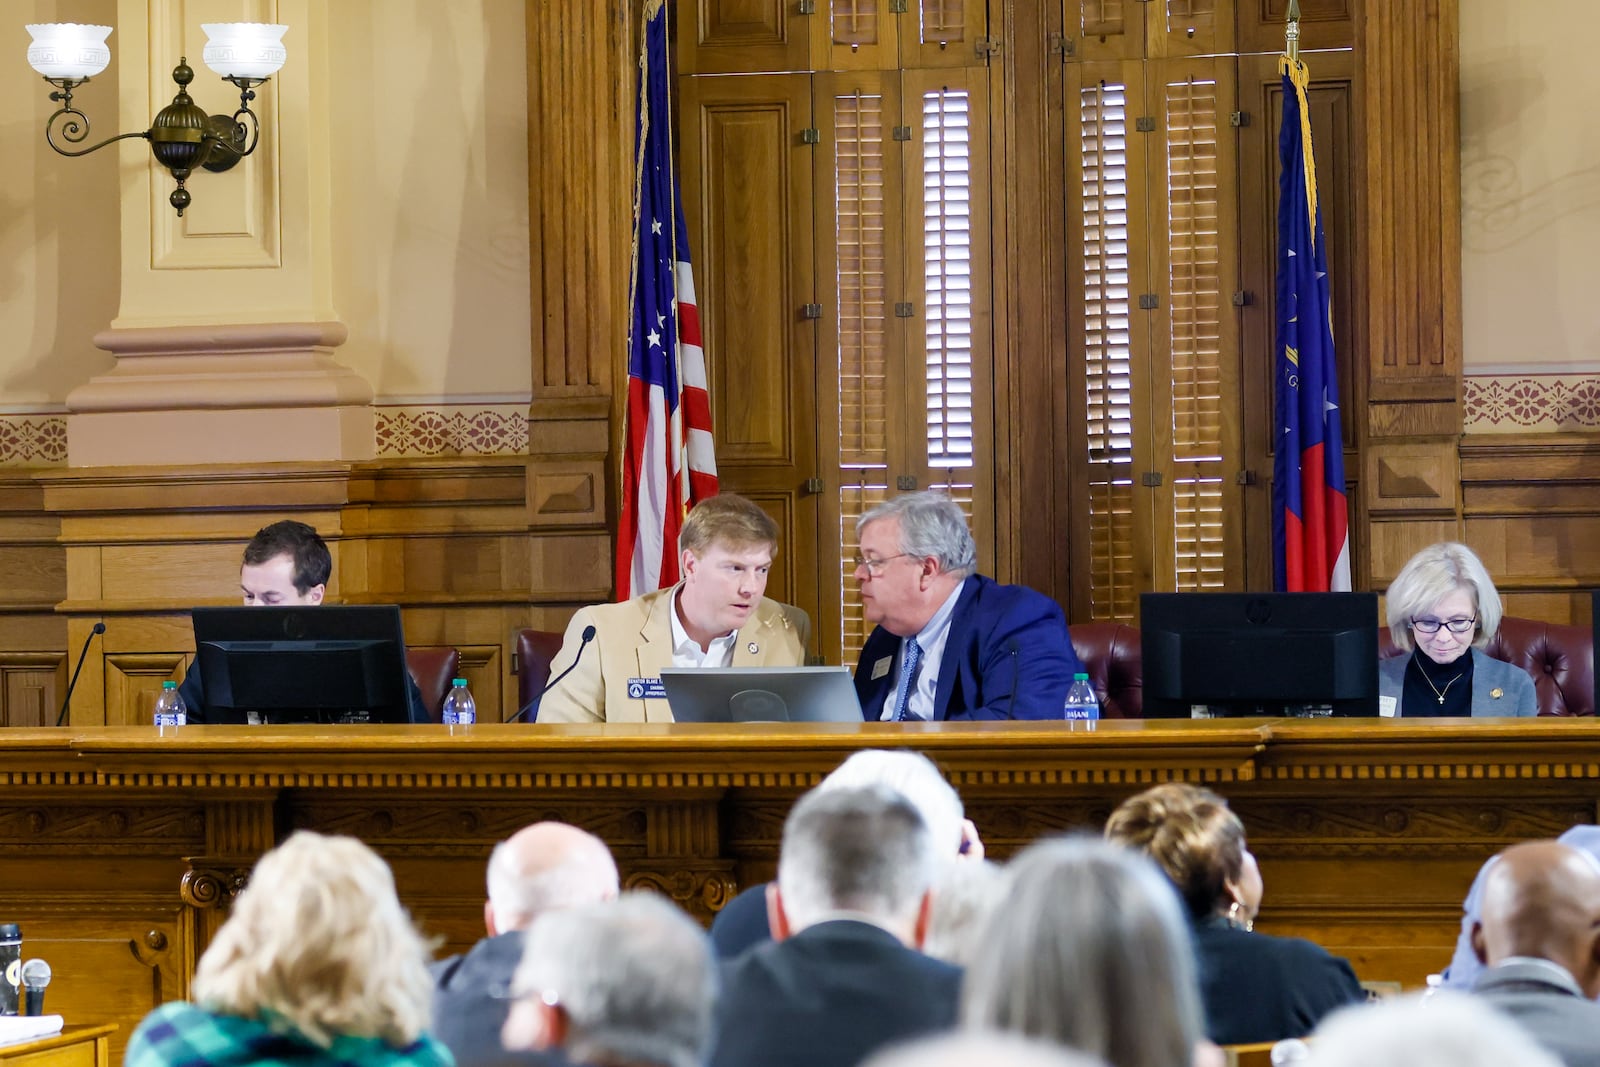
{"x": 1081, "y": 713}
{"x": 171, "y": 718}
{"x": 466, "y": 717}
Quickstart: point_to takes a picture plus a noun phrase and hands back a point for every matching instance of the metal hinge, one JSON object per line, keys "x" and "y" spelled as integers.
{"x": 1151, "y": 478}
{"x": 1245, "y": 478}
{"x": 904, "y": 309}
{"x": 1239, "y": 119}
{"x": 1243, "y": 298}
{"x": 1145, "y": 124}
{"x": 987, "y": 47}
{"x": 1063, "y": 46}
{"x": 810, "y": 135}
{"x": 813, "y": 485}
{"x": 811, "y": 311}
{"x": 808, "y": 7}
{"x": 1149, "y": 301}
{"x": 905, "y": 483}
{"x": 901, "y": 133}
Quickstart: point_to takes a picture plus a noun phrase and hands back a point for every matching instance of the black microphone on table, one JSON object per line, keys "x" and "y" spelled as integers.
{"x": 533, "y": 705}
{"x": 35, "y": 976}
{"x": 99, "y": 628}
{"x": 1011, "y": 701}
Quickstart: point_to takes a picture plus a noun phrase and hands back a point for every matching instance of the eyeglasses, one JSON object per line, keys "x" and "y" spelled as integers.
{"x": 875, "y": 567}
{"x": 1455, "y": 626}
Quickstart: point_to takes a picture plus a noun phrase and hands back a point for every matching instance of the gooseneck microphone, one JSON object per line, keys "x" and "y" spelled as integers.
{"x": 99, "y": 628}
{"x": 533, "y": 705}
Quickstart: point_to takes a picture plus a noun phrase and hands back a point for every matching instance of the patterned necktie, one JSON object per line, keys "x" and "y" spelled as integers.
{"x": 910, "y": 660}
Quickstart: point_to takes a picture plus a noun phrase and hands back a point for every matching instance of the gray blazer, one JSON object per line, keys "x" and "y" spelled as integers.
{"x": 1546, "y": 1002}
{"x": 1489, "y": 677}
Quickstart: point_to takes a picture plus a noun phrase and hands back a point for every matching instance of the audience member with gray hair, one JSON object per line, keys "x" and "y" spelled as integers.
{"x": 950, "y": 643}
{"x": 626, "y": 983}
{"x": 964, "y": 894}
{"x": 850, "y": 907}
{"x": 742, "y": 924}
{"x": 1089, "y": 950}
{"x": 981, "y": 1048}
{"x": 541, "y": 868}
{"x": 1442, "y": 1030}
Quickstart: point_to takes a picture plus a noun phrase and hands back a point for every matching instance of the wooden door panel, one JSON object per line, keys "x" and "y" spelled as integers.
{"x": 943, "y": 33}
{"x": 1323, "y": 24}
{"x": 1105, "y": 29}
{"x": 748, "y": 201}
{"x": 1189, "y": 27}
{"x": 737, "y": 36}
{"x": 856, "y": 35}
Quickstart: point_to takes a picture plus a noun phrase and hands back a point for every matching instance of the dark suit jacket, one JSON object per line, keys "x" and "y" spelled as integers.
{"x": 1008, "y": 656}
{"x": 830, "y": 996}
{"x": 1547, "y": 1003}
{"x": 741, "y": 924}
{"x": 1256, "y": 987}
{"x": 467, "y": 1015}
{"x": 194, "y": 697}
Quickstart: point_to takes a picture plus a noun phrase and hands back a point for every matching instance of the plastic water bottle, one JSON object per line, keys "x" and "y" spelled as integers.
{"x": 1081, "y": 704}
{"x": 170, "y": 710}
{"x": 459, "y": 707}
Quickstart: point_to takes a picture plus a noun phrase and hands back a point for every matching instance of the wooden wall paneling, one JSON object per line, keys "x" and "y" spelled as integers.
{"x": 748, "y": 198}
{"x": 738, "y": 36}
{"x": 1334, "y": 124}
{"x": 1105, "y": 29}
{"x": 1189, "y": 27}
{"x": 1410, "y": 206}
{"x": 1323, "y": 24}
{"x": 1032, "y": 430}
{"x": 31, "y": 687}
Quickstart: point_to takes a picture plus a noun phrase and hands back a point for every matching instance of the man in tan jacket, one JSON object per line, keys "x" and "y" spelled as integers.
{"x": 715, "y": 617}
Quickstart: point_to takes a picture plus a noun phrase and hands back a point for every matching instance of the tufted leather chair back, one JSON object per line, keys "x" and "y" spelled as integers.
{"x": 535, "y": 650}
{"x": 433, "y": 668}
{"x": 1111, "y": 653}
{"x": 1559, "y": 659}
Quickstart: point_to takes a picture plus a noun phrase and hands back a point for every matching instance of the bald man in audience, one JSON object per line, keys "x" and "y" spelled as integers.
{"x": 542, "y": 868}
{"x": 1539, "y": 937}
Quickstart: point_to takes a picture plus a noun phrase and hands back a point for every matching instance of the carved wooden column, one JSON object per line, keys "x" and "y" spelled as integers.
{"x": 581, "y": 86}
{"x": 238, "y": 832}
{"x": 1411, "y": 212}
{"x": 682, "y": 858}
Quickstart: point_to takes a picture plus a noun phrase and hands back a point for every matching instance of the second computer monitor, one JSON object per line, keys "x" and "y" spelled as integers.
{"x": 1259, "y": 653}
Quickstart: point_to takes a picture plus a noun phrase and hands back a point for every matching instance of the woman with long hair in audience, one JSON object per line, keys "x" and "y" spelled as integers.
{"x": 1089, "y": 950}
{"x": 1254, "y": 987}
{"x": 318, "y": 966}
{"x": 1444, "y": 609}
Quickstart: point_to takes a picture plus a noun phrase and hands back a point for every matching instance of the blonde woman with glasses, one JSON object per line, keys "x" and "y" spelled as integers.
{"x": 1444, "y": 610}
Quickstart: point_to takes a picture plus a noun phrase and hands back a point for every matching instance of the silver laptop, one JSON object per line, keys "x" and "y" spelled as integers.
{"x": 762, "y": 694}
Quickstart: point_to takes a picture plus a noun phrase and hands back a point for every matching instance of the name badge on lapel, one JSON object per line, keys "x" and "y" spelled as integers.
{"x": 646, "y": 689}
{"x": 881, "y": 668}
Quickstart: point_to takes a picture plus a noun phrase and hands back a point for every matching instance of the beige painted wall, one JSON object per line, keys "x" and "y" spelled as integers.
{"x": 430, "y": 195}
{"x": 1530, "y": 169}
{"x": 428, "y": 176}
{"x": 59, "y": 229}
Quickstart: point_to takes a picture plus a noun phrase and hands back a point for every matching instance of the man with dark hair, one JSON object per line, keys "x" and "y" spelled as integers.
{"x": 285, "y": 563}
{"x": 715, "y": 617}
{"x": 842, "y": 977}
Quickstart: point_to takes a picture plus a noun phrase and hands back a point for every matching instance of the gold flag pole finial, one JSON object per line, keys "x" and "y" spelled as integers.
{"x": 1291, "y": 33}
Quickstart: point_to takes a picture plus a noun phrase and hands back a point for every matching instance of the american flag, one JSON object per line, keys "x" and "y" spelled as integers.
{"x": 669, "y": 463}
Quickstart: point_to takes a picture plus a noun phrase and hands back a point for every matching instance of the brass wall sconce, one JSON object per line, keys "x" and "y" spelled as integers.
{"x": 182, "y": 136}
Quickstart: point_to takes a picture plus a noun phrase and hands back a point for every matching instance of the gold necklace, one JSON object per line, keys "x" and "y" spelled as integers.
{"x": 1436, "y": 690}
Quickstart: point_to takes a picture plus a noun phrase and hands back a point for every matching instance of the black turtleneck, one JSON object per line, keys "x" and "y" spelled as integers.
{"x": 1419, "y": 698}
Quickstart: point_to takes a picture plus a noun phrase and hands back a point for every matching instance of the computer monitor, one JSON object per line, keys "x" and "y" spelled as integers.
{"x": 1259, "y": 654}
{"x": 324, "y": 664}
{"x": 762, "y": 694}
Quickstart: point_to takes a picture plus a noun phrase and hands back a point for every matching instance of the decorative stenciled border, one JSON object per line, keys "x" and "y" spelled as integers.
{"x": 33, "y": 440}
{"x": 409, "y": 431}
{"x": 1531, "y": 402}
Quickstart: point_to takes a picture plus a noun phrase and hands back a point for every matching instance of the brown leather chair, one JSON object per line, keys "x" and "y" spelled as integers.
{"x": 433, "y": 668}
{"x": 1111, "y": 653}
{"x": 1559, "y": 659}
{"x": 530, "y": 662}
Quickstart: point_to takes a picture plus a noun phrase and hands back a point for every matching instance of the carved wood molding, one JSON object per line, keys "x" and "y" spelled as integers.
{"x": 214, "y": 882}
{"x": 702, "y": 890}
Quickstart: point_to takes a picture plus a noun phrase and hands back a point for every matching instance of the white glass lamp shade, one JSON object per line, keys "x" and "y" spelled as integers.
{"x": 244, "y": 49}
{"x": 69, "y": 50}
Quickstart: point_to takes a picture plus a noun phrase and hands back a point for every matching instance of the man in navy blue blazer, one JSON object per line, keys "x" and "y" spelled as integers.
{"x": 951, "y": 644}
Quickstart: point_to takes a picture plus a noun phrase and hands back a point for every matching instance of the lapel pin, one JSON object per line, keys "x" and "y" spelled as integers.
{"x": 1497, "y": 693}
{"x": 753, "y": 647}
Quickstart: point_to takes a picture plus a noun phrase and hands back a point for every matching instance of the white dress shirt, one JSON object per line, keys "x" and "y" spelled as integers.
{"x": 925, "y": 686}
{"x": 686, "y": 650}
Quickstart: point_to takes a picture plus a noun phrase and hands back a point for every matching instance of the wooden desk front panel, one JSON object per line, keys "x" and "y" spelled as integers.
{"x": 123, "y": 848}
